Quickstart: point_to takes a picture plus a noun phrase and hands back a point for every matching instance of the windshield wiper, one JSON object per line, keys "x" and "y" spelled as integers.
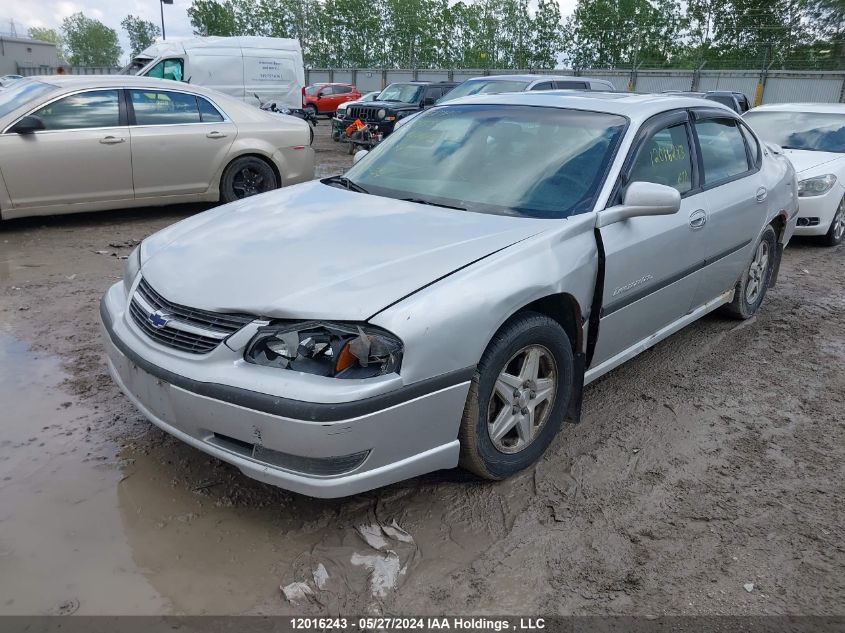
{"x": 433, "y": 204}
{"x": 345, "y": 182}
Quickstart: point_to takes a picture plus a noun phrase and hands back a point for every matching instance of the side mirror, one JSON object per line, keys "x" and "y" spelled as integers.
{"x": 319, "y": 95}
{"x": 28, "y": 125}
{"x": 359, "y": 155}
{"x": 640, "y": 199}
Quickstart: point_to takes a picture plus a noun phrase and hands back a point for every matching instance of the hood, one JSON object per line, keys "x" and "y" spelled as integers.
{"x": 316, "y": 251}
{"x": 393, "y": 105}
{"x": 805, "y": 160}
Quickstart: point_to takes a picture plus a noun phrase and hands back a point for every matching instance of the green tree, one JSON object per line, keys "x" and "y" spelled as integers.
{"x": 209, "y": 17}
{"x": 49, "y": 35}
{"x": 142, "y": 33}
{"x": 90, "y": 42}
{"x": 548, "y": 35}
{"x": 623, "y": 33}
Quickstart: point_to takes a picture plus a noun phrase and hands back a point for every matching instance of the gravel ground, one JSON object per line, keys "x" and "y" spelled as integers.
{"x": 705, "y": 478}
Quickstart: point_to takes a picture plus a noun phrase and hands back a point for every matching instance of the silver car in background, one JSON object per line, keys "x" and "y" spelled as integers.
{"x": 446, "y": 300}
{"x": 92, "y": 143}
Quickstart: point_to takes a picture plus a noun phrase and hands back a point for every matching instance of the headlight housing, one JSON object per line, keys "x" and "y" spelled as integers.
{"x": 131, "y": 269}
{"x": 816, "y": 186}
{"x": 381, "y": 113}
{"x": 337, "y": 350}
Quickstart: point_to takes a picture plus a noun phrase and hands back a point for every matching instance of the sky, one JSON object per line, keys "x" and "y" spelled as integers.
{"x": 50, "y": 13}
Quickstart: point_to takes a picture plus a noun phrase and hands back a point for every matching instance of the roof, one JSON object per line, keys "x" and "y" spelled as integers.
{"x": 832, "y": 108}
{"x": 535, "y": 78}
{"x": 176, "y": 46}
{"x": 637, "y": 107}
{"x": 79, "y": 82}
{"x": 26, "y": 40}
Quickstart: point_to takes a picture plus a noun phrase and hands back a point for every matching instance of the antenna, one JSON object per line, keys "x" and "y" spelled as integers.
{"x": 13, "y": 29}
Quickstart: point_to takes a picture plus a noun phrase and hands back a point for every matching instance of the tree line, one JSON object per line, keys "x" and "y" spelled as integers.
{"x": 518, "y": 34}
{"x": 498, "y": 34}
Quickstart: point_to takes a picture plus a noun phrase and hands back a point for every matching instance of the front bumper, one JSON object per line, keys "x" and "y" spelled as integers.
{"x": 819, "y": 210}
{"x": 321, "y": 449}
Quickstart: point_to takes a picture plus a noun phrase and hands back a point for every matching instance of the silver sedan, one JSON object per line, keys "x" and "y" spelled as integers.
{"x": 446, "y": 301}
{"x": 93, "y": 143}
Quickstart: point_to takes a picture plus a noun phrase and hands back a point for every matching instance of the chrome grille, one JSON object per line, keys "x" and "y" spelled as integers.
{"x": 183, "y": 328}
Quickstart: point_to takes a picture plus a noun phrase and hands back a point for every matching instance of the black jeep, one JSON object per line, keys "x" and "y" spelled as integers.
{"x": 396, "y": 101}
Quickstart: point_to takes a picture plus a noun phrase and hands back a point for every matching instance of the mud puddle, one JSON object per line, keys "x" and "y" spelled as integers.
{"x": 62, "y": 549}
{"x": 145, "y": 524}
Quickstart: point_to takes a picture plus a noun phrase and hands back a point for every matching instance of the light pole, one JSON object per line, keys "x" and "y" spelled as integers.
{"x": 162, "y": 3}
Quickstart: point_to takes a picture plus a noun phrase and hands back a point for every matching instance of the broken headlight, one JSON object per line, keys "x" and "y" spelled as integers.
{"x": 339, "y": 350}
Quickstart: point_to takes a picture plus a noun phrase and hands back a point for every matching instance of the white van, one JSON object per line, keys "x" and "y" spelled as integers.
{"x": 271, "y": 67}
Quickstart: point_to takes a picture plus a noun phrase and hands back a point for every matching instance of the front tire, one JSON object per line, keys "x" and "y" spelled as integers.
{"x": 837, "y": 226}
{"x": 247, "y": 176}
{"x": 751, "y": 288}
{"x": 518, "y": 397}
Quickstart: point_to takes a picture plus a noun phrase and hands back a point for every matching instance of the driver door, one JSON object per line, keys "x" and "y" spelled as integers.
{"x": 652, "y": 263}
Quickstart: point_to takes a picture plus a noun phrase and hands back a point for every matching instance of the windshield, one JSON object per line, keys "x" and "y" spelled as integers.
{"x": 815, "y": 131}
{"x": 514, "y": 160}
{"x": 406, "y": 93}
{"x": 20, "y": 92}
{"x": 481, "y": 87}
{"x": 135, "y": 65}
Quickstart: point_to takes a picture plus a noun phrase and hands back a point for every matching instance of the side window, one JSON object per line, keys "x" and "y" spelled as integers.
{"x": 327, "y": 91}
{"x": 571, "y": 85}
{"x": 546, "y": 85}
{"x": 157, "y": 107}
{"x": 665, "y": 159}
{"x": 431, "y": 94}
{"x": 342, "y": 90}
{"x": 208, "y": 113}
{"x": 753, "y": 146}
{"x": 168, "y": 69}
{"x": 722, "y": 149}
{"x": 97, "y": 108}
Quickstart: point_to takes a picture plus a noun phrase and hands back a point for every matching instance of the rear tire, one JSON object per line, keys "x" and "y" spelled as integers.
{"x": 311, "y": 108}
{"x": 518, "y": 397}
{"x": 751, "y": 288}
{"x": 247, "y": 176}
{"x": 837, "y": 226}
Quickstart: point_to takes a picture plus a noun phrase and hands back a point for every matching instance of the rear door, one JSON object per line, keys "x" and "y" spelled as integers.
{"x": 179, "y": 142}
{"x": 82, "y": 156}
{"x": 652, "y": 264}
{"x": 736, "y": 197}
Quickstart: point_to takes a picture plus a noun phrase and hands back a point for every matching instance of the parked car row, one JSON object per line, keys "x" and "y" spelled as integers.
{"x": 455, "y": 290}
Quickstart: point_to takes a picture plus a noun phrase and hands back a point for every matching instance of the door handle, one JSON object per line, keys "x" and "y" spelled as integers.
{"x": 215, "y": 134}
{"x": 112, "y": 140}
{"x": 762, "y": 194}
{"x": 697, "y": 219}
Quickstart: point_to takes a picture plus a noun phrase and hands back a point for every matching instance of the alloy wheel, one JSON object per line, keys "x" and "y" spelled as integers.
{"x": 247, "y": 182}
{"x": 757, "y": 273}
{"x": 522, "y": 399}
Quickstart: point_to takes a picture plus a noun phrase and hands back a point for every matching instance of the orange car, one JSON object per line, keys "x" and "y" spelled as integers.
{"x": 324, "y": 98}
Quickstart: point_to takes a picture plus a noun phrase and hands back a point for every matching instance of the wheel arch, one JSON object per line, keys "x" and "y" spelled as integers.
{"x": 252, "y": 154}
{"x": 561, "y": 307}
